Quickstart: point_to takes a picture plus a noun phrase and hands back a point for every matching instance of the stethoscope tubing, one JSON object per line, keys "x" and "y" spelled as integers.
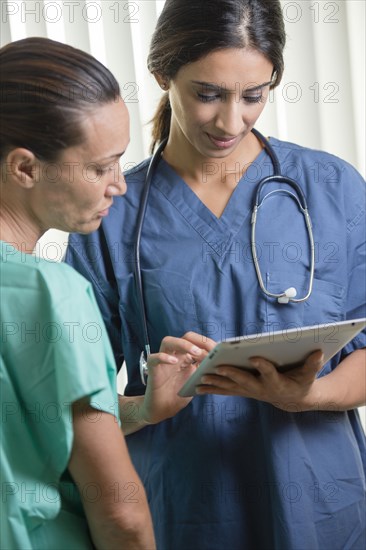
{"x": 302, "y": 204}
{"x": 276, "y": 177}
{"x": 139, "y": 223}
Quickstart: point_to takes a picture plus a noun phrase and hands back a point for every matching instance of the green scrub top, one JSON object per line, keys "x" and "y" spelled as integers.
{"x": 54, "y": 351}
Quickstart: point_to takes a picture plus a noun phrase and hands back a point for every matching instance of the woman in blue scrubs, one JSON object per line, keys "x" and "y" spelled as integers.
{"x": 275, "y": 461}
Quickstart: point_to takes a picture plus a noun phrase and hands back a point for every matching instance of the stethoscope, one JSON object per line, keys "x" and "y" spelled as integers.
{"x": 288, "y": 295}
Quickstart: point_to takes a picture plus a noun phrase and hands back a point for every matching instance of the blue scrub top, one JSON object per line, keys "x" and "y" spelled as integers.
{"x": 229, "y": 471}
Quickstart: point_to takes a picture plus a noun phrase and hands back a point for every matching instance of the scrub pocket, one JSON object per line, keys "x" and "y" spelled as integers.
{"x": 325, "y": 304}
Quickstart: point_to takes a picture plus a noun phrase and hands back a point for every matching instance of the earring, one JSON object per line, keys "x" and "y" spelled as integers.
{"x": 164, "y": 85}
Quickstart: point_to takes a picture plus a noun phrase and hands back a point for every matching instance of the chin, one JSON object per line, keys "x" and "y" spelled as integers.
{"x": 87, "y": 227}
{"x": 218, "y": 154}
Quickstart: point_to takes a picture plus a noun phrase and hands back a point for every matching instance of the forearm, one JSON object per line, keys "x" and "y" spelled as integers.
{"x": 119, "y": 517}
{"x": 343, "y": 389}
{"x": 124, "y": 519}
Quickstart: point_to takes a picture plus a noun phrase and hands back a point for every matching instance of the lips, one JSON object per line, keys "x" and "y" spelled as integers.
{"x": 105, "y": 212}
{"x": 222, "y": 142}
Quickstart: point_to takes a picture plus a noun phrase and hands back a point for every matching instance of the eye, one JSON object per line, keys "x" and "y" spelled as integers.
{"x": 253, "y": 98}
{"x": 207, "y": 98}
{"x": 100, "y": 170}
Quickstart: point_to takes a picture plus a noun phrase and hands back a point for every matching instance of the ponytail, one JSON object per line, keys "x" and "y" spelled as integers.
{"x": 161, "y": 122}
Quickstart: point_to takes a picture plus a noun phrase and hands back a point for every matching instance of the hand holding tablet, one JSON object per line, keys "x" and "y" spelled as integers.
{"x": 286, "y": 349}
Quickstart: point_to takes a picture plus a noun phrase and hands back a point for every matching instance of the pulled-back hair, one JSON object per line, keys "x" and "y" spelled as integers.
{"x": 46, "y": 88}
{"x": 188, "y": 30}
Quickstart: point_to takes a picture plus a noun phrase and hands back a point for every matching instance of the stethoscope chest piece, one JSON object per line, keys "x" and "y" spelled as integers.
{"x": 144, "y": 371}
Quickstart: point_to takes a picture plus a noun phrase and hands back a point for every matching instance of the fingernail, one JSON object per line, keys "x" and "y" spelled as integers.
{"x": 173, "y": 359}
{"x": 195, "y": 350}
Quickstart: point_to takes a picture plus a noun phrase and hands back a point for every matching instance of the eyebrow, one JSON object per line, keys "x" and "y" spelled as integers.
{"x": 215, "y": 87}
{"x": 114, "y": 156}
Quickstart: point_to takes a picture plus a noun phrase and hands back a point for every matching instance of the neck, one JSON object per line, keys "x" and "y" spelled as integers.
{"x": 18, "y": 231}
{"x": 223, "y": 171}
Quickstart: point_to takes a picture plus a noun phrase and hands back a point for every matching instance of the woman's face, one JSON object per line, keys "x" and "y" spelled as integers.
{"x": 216, "y": 100}
{"x": 75, "y": 193}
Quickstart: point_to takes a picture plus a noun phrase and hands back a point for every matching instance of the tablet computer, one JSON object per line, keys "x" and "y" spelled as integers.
{"x": 287, "y": 349}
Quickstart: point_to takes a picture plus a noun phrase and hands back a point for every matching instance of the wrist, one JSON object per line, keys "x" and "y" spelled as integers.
{"x": 305, "y": 403}
{"x": 144, "y": 415}
{"x": 312, "y": 400}
{"x": 131, "y": 410}
{"x": 320, "y": 397}
{"x": 144, "y": 421}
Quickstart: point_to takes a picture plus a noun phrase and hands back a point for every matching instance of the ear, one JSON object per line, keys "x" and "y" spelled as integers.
{"x": 22, "y": 166}
{"x": 162, "y": 81}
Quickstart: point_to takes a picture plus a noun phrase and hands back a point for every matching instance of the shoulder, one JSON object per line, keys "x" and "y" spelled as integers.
{"x": 49, "y": 296}
{"x": 333, "y": 187}
{"x": 61, "y": 279}
{"x": 314, "y": 167}
{"x": 288, "y": 151}
{"x": 55, "y": 282}
{"x": 138, "y": 172}
{"x": 36, "y": 271}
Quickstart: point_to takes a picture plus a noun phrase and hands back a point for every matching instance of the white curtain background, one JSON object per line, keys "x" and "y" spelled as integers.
{"x": 320, "y": 102}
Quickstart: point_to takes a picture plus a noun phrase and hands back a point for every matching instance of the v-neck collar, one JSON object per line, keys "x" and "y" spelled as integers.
{"x": 194, "y": 211}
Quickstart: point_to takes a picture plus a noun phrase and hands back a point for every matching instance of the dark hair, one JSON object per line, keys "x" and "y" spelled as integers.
{"x": 187, "y": 30}
{"x": 45, "y": 89}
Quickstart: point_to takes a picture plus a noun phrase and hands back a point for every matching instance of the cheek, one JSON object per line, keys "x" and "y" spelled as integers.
{"x": 253, "y": 114}
{"x": 187, "y": 112}
{"x": 91, "y": 196}
{"x": 84, "y": 181}
{"x": 262, "y": 104}
{"x": 84, "y": 195}
{"x": 89, "y": 179}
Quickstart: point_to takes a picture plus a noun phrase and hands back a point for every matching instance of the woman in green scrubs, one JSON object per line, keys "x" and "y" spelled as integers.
{"x": 66, "y": 477}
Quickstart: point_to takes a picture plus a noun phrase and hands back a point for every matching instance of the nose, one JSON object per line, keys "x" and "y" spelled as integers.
{"x": 229, "y": 119}
{"x": 118, "y": 184}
